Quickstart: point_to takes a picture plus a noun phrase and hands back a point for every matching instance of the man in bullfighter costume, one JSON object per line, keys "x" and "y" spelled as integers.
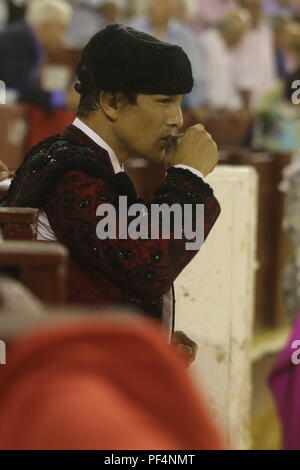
{"x": 130, "y": 87}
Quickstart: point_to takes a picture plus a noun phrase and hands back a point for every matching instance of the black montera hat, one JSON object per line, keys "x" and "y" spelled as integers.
{"x": 121, "y": 59}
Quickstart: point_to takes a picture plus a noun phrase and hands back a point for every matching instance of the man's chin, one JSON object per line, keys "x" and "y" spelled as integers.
{"x": 153, "y": 155}
{"x": 157, "y": 157}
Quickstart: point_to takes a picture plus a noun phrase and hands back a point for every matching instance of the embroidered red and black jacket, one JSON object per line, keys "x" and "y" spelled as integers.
{"x": 68, "y": 177}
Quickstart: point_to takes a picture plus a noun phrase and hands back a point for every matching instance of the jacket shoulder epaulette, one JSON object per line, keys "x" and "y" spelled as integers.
{"x": 46, "y": 164}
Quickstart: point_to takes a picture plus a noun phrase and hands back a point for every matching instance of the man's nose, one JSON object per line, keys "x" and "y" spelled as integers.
{"x": 175, "y": 118}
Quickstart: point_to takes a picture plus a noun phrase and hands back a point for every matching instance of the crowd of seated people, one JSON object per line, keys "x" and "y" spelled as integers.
{"x": 238, "y": 48}
{"x": 245, "y": 56}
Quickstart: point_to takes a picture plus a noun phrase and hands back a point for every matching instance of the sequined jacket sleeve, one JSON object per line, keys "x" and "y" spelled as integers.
{"x": 146, "y": 267}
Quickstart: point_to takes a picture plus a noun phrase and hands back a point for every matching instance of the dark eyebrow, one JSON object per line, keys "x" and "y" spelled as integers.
{"x": 167, "y": 97}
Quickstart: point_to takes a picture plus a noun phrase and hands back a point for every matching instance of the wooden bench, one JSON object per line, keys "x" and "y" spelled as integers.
{"x": 16, "y": 299}
{"x": 13, "y": 131}
{"x": 18, "y": 223}
{"x": 39, "y": 266}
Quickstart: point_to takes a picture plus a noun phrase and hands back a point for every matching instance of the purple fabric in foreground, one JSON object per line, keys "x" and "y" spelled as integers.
{"x": 284, "y": 382}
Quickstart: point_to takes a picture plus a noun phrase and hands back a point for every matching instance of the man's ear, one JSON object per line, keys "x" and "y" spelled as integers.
{"x": 111, "y": 103}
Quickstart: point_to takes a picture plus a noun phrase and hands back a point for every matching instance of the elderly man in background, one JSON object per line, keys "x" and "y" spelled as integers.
{"x": 211, "y": 12}
{"x": 86, "y": 21}
{"x": 89, "y": 16}
{"x": 22, "y": 47}
{"x": 161, "y": 23}
{"x": 16, "y": 10}
{"x": 218, "y": 43}
{"x": 254, "y": 58}
{"x": 12, "y": 11}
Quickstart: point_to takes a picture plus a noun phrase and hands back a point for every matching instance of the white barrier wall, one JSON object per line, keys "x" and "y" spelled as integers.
{"x": 215, "y": 302}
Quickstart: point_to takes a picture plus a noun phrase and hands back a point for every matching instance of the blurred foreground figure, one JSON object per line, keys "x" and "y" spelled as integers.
{"x": 109, "y": 384}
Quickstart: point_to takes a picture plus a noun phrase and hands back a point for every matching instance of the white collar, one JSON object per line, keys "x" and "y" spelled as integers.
{"x": 99, "y": 141}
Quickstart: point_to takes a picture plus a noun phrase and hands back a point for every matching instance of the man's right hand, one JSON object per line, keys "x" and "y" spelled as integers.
{"x": 197, "y": 149}
{"x": 4, "y": 172}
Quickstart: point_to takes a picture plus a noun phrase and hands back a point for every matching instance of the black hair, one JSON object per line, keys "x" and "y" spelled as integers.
{"x": 90, "y": 92}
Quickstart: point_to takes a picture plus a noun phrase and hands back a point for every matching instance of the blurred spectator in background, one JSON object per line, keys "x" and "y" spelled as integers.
{"x": 185, "y": 10}
{"x": 160, "y": 22}
{"x": 255, "y": 65}
{"x": 296, "y": 6}
{"x": 112, "y": 11}
{"x": 3, "y": 14}
{"x": 294, "y": 45}
{"x": 12, "y": 11}
{"x": 16, "y": 10}
{"x": 22, "y": 47}
{"x": 90, "y": 16}
{"x": 208, "y": 13}
{"x": 221, "y": 90}
{"x": 277, "y": 127}
{"x": 280, "y": 7}
{"x": 291, "y": 186}
{"x": 136, "y": 8}
{"x": 282, "y": 38}
{"x": 277, "y": 130}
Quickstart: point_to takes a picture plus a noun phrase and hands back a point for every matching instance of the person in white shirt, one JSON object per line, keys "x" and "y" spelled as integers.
{"x": 89, "y": 16}
{"x": 212, "y": 11}
{"x": 254, "y": 58}
{"x": 217, "y": 44}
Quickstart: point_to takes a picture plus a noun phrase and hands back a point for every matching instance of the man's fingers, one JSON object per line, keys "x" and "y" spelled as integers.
{"x": 3, "y": 167}
{"x": 203, "y": 133}
{"x": 199, "y": 127}
{"x": 4, "y": 175}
